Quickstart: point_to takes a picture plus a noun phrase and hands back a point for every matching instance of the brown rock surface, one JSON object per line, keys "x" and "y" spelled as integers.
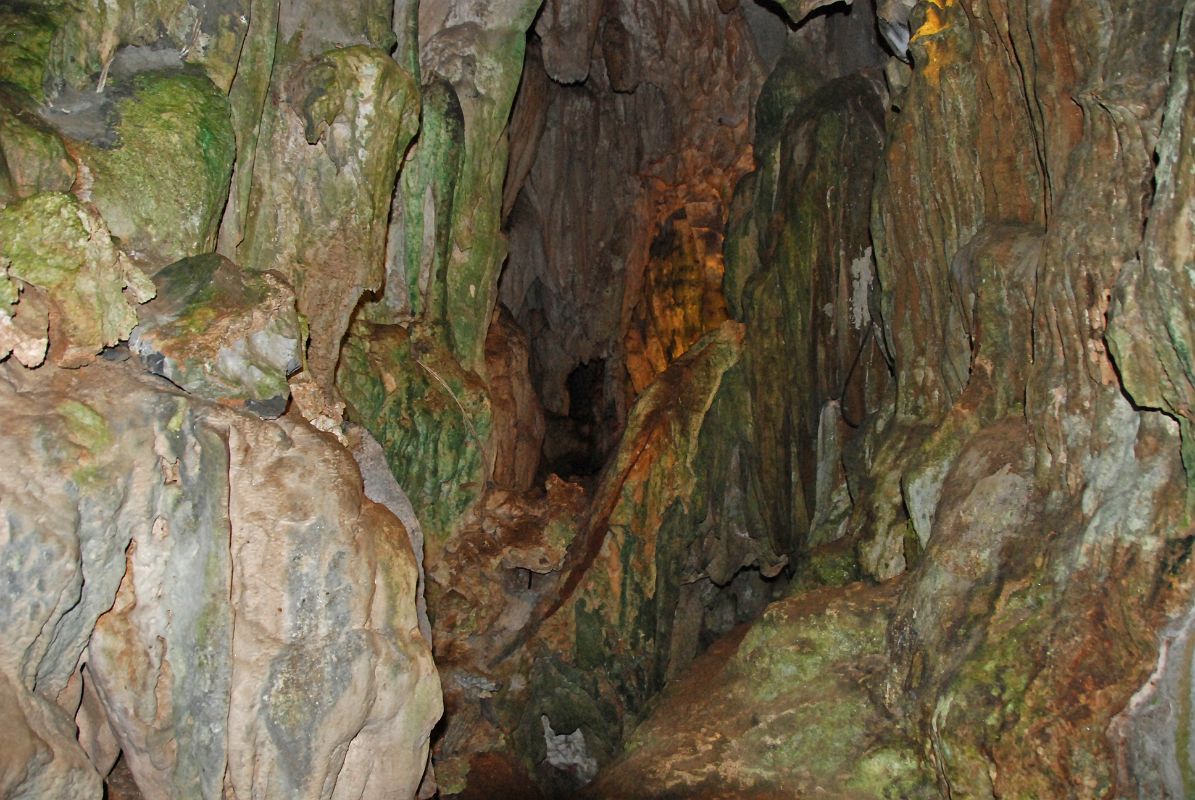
{"x": 617, "y": 191}
{"x": 1034, "y": 519}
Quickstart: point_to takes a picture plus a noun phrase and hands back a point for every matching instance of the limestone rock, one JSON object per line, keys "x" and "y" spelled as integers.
{"x": 381, "y": 487}
{"x": 176, "y": 549}
{"x": 24, "y": 332}
{"x": 163, "y": 116}
{"x": 568, "y": 30}
{"x": 421, "y": 229}
{"x": 615, "y": 623}
{"x": 478, "y": 49}
{"x": 649, "y": 166}
{"x": 432, "y": 418}
{"x": 802, "y": 274}
{"x": 57, "y": 245}
{"x": 322, "y": 182}
{"x": 222, "y": 333}
{"x": 997, "y": 275}
{"x": 780, "y": 709}
{"x": 512, "y": 546}
{"x": 1028, "y": 516}
{"x": 32, "y": 156}
{"x": 1156, "y": 289}
{"x": 518, "y": 417}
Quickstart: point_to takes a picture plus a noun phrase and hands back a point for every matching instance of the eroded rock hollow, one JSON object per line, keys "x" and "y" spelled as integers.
{"x": 597, "y": 398}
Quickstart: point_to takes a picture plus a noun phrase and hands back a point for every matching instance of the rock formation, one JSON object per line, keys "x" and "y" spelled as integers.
{"x": 732, "y": 398}
{"x": 197, "y": 584}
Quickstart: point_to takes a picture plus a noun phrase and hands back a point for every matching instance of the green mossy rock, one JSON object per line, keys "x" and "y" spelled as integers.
{"x": 26, "y": 32}
{"x": 162, "y": 189}
{"x": 431, "y": 417}
{"x": 781, "y": 709}
{"x": 32, "y": 156}
{"x": 485, "y": 84}
{"x": 427, "y": 187}
{"x": 54, "y": 243}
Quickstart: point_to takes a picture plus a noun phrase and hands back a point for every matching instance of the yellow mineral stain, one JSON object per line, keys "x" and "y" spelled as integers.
{"x": 935, "y": 18}
{"x": 935, "y": 49}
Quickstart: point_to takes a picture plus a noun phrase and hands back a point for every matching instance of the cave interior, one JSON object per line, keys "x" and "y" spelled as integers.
{"x": 597, "y": 398}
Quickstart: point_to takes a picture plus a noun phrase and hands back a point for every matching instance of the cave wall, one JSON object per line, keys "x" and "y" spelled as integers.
{"x": 1013, "y": 454}
{"x": 200, "y": 585}
{"x": 1030, "y": 265}
{"x": 618, "y": 190}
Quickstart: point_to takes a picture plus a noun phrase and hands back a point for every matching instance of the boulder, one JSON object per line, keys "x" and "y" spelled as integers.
{"x": 222, "y": 334}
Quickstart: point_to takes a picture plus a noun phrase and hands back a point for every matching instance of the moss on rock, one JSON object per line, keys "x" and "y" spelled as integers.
{"x": 54, "y": 243}
{"x": 431, "y": 417}
{"x": 26, "y": 31}
{"x": 32, "y": 156}
{"x": 162, "y": 189}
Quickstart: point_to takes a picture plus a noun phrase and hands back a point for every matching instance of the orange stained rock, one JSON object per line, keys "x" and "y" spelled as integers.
{"x": 935, "y": 48}
{"x": 935, "y": 21}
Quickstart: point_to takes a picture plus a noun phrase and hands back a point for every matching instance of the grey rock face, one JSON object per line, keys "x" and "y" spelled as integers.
{"x": 222, "y": 334}
{"x": 243, "y": 612}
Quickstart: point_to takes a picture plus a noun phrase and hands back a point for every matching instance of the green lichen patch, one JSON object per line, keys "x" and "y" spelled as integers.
{"x": 53, "y": 242}
{"x": 163, "y": 188}
{"x": 26, "y": 32}
{"x": 85, "y": 426}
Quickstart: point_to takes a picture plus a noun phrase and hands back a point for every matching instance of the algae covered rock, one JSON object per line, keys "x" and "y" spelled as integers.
{"x": 782, "y": 708}
{"x": 432, "y": 419}
{"x": 222, "y": 333}
{"x": 420, "y": 236}
{"x": 162, "y": 187}
{"x": 53, "y": 243}
{"x": 26, "y": 34}
{"x": 322, "y": 184}
{"x": 32, "y": 155}
{"x": 479, "y": 50}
